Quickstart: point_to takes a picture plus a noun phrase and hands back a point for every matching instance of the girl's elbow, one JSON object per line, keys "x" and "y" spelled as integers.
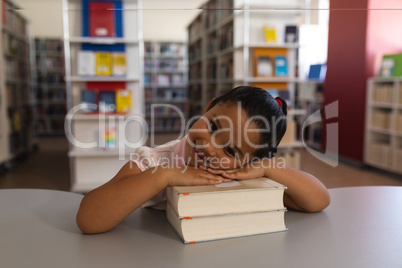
{"x": 83, "y": 224}
{"x": 320, "y": 204}
{"x": 86, "y": 227}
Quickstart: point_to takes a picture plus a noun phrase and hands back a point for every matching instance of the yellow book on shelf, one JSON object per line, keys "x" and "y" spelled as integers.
{"x": 103, "y": 63}
{"x": 270, "y": 34}
{"x": 119, "y": 63}
{"x": 123, "y": 101}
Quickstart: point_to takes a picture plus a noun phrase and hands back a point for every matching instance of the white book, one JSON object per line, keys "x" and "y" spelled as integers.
{"x": 202, "y": 229}
{"x": 242, "y": 196}
{"x": 86, "y": 63}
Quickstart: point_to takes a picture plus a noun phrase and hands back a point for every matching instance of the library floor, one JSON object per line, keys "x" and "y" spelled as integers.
{"x": 48, "y": 168}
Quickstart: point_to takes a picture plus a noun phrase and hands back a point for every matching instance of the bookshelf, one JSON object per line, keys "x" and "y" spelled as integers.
{"x": 383, "y": 130}
{"x": 17, "y": 135}
{"x": 311, "y": 98}
{"x": 165, "y": 84}
{"x": 50, "y": 86}
{"x": 227, "y": 48}
{"x": 104, "y": 72}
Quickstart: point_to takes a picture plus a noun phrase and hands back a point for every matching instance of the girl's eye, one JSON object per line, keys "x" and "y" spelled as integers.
{"x": 213, "y": 127}
{"x": 230, "y": 151}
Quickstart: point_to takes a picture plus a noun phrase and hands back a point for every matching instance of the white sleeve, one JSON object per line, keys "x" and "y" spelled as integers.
{"x": 144, "y": 158}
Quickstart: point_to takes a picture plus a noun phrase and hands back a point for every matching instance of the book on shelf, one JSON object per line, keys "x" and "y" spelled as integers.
{"x": 398, "y": 125}
{"x": 387, "y": 67}
{"x": 383, "y": 93}
{"x": 391, "y": 66}
{"x": 270, "y": 34}
{"x": 317, "y": 72}
{"x": 163, "y": 80}
{"x": 379, "y": 153}
{"x": 119, "y": 64}
{"x": 109, "y": 139}
{"x": 281, "y": 66}
{"x": 381, "y": 119}
{"x": 232, "y": 209}
{"x": 101, "y": 19}
{"x": 291, "y": 34}
{"x": 123, "y": 101}
{"x": 89, "y": 100}
{"x": 86, "y": 63}
{"x": 107, "y": 101}
{"x": 103, "y": 63}
{"x": 264, "y": 66}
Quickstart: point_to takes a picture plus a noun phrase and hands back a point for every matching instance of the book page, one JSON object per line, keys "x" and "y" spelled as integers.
{"x": 228, "y": 184}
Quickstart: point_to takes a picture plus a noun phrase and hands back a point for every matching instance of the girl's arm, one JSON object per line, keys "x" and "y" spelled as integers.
{"x": 106, "y": 206}
{"x": 304, "y": 191}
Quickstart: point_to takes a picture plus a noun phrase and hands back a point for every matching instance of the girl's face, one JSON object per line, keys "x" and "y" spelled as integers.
{"x": 223, "y": 138}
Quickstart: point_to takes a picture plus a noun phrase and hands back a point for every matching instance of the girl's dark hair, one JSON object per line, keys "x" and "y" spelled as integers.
{"x": 257, "y": 103}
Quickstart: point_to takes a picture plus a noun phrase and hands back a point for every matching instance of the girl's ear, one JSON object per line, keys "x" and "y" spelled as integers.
{"x": 208, "y": 106}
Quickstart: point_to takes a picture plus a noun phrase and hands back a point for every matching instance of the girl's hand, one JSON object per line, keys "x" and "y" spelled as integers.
{"x": 188, "y": 175}
{"x": 250, "y": 171}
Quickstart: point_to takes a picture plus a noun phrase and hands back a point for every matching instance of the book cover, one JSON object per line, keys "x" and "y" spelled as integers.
{"x": 387, "y": 67}
{"x": 89, "y": 100}
{"x": 264, "y": 66}
{"x": 123, "y": 101}
{"x": 103, "y": 63}
{"x": 119, "y": 64}
{"x": 260, "y": 194}
{"x": 281, "y": 66}
{"x": 86, "y": 63}
{"x": 391, "y": 66}
{"x": 317, "y": 72}
{"x": 107, "y": 101}
{"x": 270, "y": 34}
{"x": 101, "y": 19}
{"x": 291, "y": 34}
{"x": 201, "y": 229}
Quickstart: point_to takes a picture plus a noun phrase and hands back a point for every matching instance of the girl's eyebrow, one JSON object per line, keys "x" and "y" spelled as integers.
{"x": 234, "y": 145}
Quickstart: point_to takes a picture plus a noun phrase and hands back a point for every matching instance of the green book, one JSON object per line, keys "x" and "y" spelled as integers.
{"x": 391, "y": 66}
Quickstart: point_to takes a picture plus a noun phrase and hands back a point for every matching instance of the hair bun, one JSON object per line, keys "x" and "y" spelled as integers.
{"x": 282, "y": 104}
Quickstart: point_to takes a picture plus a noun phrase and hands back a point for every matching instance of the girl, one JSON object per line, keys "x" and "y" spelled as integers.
{"x": 236, "y": 138}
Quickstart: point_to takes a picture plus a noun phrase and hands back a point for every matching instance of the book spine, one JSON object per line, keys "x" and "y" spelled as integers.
{"x": 173, "y": 198}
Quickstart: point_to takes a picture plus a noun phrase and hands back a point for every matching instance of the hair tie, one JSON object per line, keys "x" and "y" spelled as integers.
{"x": 279, "y": 102}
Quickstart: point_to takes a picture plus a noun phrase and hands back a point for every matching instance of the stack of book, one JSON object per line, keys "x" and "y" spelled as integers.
{"x": 228, "y": 210}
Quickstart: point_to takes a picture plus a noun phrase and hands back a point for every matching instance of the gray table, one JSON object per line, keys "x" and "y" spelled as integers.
{"x": 361, "y": 228}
